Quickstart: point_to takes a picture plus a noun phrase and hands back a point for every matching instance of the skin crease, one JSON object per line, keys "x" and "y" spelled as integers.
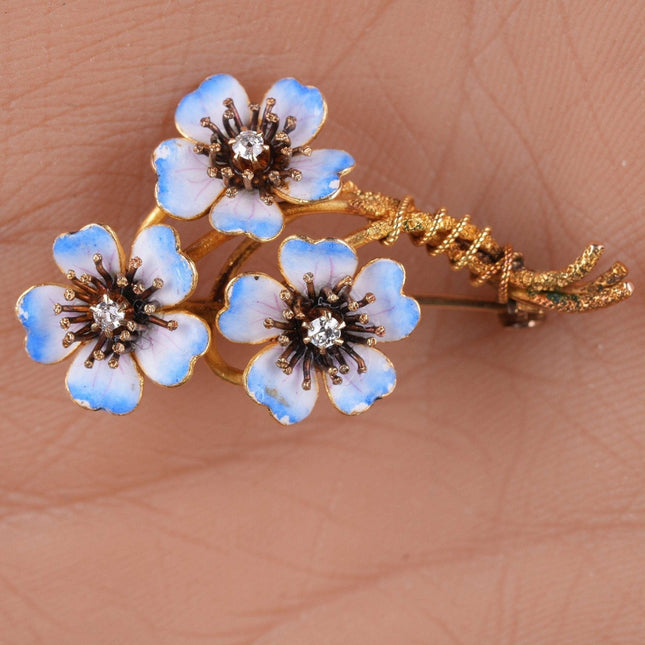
{"x": 498, "y": 496}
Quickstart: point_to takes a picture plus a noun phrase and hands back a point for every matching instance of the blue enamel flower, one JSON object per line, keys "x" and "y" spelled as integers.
{"x": 322, "y": 321}
{"x": 239, "y": 160}
{"x": 117, "y": 320}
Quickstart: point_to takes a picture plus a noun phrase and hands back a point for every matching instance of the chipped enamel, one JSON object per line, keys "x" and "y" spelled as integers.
{"x": 281, "y": 394}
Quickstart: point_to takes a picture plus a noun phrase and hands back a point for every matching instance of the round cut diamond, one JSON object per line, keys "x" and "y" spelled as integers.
{"x": 323, "y": 331}
{"x": 108, "y": 314}
{"x": 248, "y": 145}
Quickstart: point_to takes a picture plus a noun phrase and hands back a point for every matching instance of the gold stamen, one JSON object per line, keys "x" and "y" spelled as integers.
{"x": 247, "y": 178}
{"x": 290, "y": 124}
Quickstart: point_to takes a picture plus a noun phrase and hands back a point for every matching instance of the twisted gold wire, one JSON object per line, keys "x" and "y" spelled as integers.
{"x": 467, "y": 246}
{"x": 435, "y": 224}
{"x": 504, "y": 266}
{"x": 451, "y": 237}
{"x": 397, "y": 221}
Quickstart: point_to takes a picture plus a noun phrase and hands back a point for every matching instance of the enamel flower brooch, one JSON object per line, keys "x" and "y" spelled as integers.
{"x": 117, "y": 319}
{"x": 250, "y": 167}
{"x": 240, "y": 160}
{"x": 324, "y": 319}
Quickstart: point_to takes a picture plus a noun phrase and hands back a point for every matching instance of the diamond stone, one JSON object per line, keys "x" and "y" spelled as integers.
{"x": 107, "y": 314}
{"x": 248, "y": 145}
{"x": 323, "y": 331}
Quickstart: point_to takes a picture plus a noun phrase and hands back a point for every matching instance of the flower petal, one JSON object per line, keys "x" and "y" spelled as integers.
{"x": 75, "y": 250}
{"x": 250, "y": 299}
{"x": 302, "y": 101}
{"x": 357, "y": 392}
{"x": 158, "y": 247}
{"x": 328, "y": 260}
{"x": 281, "y": 393}
{"x": 35, "y": 309}
{"x": 399, "y": 314}
{"x": 247, "y": 213}
{"x": 321, "y": 173}
{"x": 115, "y": 390}
{"x": 167, "y": 357}
{"x": 184, "y": 188}
{"x": 207, "y": 100}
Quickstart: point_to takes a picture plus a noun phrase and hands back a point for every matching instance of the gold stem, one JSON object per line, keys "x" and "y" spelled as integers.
{"x": 156, "y": 216}
{"x": 207, "y": 309}
{"x": 221, "y": 367}
{"x": 205, "y": 244}
{"x": 330, "y": 206}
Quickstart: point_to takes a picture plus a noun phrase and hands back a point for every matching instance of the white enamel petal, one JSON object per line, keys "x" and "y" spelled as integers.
{"x": 75, "y": 250}
{"x": 251, "y": 299}
{"x": 158, "y": 248}
{"x": 282, "y": 394}
{"x": 44, "y": 339}
{"x": 184, "y": 188}
{"x": 104, "y": 388}
{"x": 399, "y": 314}
{"x": 301, "y": 101}
{"x": 207, "y": 101}
{"x": 358, "y": 392}
{"x": 247, "y": 213}
{"x": 167, "y": 357}
{"x": 328, "y": 260}
{"x": 321, "y": 173}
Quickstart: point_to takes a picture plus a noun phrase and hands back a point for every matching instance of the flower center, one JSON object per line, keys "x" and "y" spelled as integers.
{"x": 254, "y": 155}
{"x": 321, "y": 328}
{"x": 248, "y": 145}
{"x": 323, "y": 331}
{"x": 113, "y": 311}
{"x": 108, "y": 315}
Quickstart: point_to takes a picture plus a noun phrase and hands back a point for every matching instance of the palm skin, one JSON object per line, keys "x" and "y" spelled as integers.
{"x": 495, "y": 497}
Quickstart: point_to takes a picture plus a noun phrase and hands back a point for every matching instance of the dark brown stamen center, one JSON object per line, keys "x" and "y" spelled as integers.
{"x": 253, "y": 156}
{"x": 320, "y": 327}
{"x": 115, "y": 311}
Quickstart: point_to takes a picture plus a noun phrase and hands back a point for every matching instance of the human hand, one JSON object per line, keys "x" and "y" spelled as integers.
{"x": 495, "y": 497}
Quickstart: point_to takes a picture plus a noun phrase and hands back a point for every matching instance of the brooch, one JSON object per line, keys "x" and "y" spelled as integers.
{"x": 321, "y": 320}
